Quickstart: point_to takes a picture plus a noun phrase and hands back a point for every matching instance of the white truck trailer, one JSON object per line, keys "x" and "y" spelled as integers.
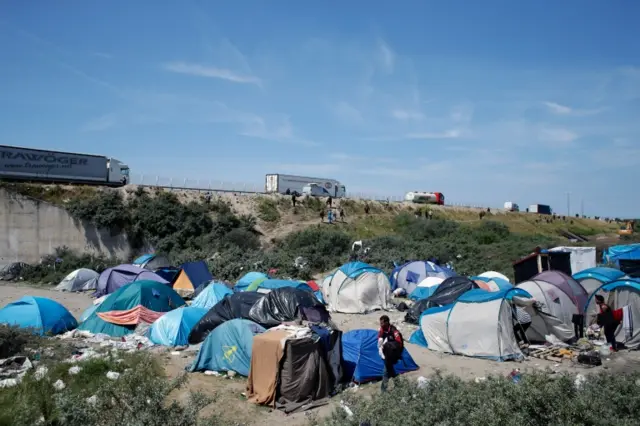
{"x": 40, "y": 165}
{"x": 283, "y": 184}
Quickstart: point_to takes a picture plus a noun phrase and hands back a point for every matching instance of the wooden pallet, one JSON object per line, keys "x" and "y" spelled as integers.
{"x": 549, "y": 354}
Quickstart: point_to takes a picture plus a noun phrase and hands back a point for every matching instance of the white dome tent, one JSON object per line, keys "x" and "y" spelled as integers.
{"x": 357, "y": 288}
{"x": 494, "y": 274}
{"x": 79, "y": 280}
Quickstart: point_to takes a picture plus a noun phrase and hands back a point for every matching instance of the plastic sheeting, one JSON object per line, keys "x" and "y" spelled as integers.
{"x": 173, "y": 328}
{"x": 228, "y": 348}
{"x": 42, "y": 315}
{"x": 233, "y": 306}
{"x": 288, "y": 304}
{"x": 210, "y": 294}
{"x": 362, "y": 362}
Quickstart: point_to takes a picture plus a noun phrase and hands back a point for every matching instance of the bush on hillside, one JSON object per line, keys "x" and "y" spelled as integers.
{"x": 54, "y": 267}
{"x": 538, "y": 400}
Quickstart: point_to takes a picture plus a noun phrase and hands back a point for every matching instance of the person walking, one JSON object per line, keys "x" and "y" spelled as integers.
{"x": 390, "y": 346}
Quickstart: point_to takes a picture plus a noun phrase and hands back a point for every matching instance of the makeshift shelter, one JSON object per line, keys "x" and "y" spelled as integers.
{"x": 362, "y": 362}
{"x": 409, "y": 275}
{"x": 357, "y": 288}
{"x": 287, "y": 304}
{"x": 491, "y": 284}
{"x": 288, "y": 372}
{"x": 581, "y": 258}
{"x": 248, "y": 279}
{"x": 135, "y": 303}
{"x": 265, "y": 286}
{"x": 114, "y": 278}
{"x": 446, "y": 293}
{"x": 79, "y": 280}
{"x": 191, "y": 276}
{"x": 228, "y": 347}
{"x": 561, "y": 298}
{"x": 625, "y": 257}
{"x": 39, "y": 314}
{"x": 173, "y": 328}
{"x": 620, "y": 294}
{"x": 233, "y": 306}
{"x": 210, "y": 295}
{"x": 539, "y": 261}
{"x": 591, "y": 279}
{"x": 494, "y": 274}
{"x": 152, "y": 262}
{"x": 478, "y": 324}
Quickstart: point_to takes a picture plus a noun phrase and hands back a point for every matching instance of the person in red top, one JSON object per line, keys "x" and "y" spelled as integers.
{"x": 390, "y": 346}
{"x": 609, "y": 319}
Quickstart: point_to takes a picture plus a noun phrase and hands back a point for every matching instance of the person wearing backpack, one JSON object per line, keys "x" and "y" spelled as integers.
{"x": 390, "y": 346}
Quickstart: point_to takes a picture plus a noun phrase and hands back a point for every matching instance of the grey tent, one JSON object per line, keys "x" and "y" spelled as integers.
{"x": 79, "y": 280}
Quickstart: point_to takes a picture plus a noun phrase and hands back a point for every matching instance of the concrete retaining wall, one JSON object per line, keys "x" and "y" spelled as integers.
{"x": 30, "y": 229}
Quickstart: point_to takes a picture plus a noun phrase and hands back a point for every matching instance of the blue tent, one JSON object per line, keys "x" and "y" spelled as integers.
{"x": 422, "y": 292}
{"x": 143, "y": 259}
{"x": 192, "y": 276}
{"x": 228, "y": 347}
{"x": 173, "y": 328}
{"x": 247, "y": 279}
{"x": 362, "y": 361}
{"x": 87, "y": 312}
{"x": 409, "y": 275}
{"x": 44, "y": 316}
{"x": 271, "y": 284}
{"x": 591, "y": 279}
{"x": 211, "y": 294}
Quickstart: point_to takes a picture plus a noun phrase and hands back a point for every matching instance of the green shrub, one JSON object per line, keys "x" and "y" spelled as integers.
{"x": 538, "y": 400}
{"x": 54, "y": 267}
{"x": 268, "y": 210}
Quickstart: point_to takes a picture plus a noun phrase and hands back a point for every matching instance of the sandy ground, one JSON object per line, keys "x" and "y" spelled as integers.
{"x": 228, "y": 392}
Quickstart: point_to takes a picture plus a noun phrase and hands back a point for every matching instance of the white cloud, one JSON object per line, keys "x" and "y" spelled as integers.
{"x": 100, "y": 124}
{"x": 559, "y": 109}
{"x": 386, "y": 56}
{"x": 462, "y": 113}
{"x": 211, "y": 72}
{"x": 557, "y": 135}
{"x": 449, "y": 134}
{"x": 407, "y": 115}
{"x": 347, "y": 112}
{"x": 283, "y": 131}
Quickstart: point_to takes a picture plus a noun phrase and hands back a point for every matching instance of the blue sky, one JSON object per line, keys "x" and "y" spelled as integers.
{"x": 485, "y": 101}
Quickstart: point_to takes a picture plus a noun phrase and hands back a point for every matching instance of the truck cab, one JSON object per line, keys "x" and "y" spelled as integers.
{"x": 317, "y": 190}
{"x": 118, "y": 172}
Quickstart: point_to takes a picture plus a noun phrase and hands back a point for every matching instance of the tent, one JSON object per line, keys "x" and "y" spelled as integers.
{"x": 168, "y": 274}
{"x": 173, "y": 328}
{"x": 494, "y": 274}
{"x": 87, "y": 313}
{"x": 210, "y": 294}
{"x": 625, "y": 257}
{"x": 560, "y": 300}
{"x": 621, "y": 293}
{"x": 233, "y": 306}
{"x": 288, "y": 372}
{"x": 314, "y": 286}
{"x": 591, "y": 279}
{"x": 357, "y": 288}
{"x": 265, "y": 286}
{"x": 191, "y": 276}
{"x": 491, "y": 284}
{"x": 138, "y": 302}
{"x": 79, "y": 280}
{"x": 409, "y": 275}
{"x": 477, "y": 324}
{"x": 228, "y": 347}
{"x": 114, "y": 278}
{"x": 152, "y": 262}
{"x": 426, "y": 288}
{"x": 248, "y": 279}
{"x": 42, "y": 315}
{"x": 446, "y": 293}
{"x": 287, "y": 304}
{"x": 581, "y": 257}
{"x": 362, "y": 362}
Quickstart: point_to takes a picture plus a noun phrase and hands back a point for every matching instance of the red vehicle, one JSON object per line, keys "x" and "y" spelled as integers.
{"x": 425, "y": 197}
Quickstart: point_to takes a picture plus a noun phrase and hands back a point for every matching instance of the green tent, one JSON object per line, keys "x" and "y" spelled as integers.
{"x": 151, "y": 295}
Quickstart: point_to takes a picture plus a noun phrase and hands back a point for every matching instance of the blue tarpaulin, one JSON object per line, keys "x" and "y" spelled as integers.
{"x": 228, "y": 347}
{"x": 44, "y": 316}
{"x": 362, "y": 361}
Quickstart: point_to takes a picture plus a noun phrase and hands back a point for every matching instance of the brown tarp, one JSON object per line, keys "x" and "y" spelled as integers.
{"x": 305, "y": 379}
{"x": 266, "y": 354}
